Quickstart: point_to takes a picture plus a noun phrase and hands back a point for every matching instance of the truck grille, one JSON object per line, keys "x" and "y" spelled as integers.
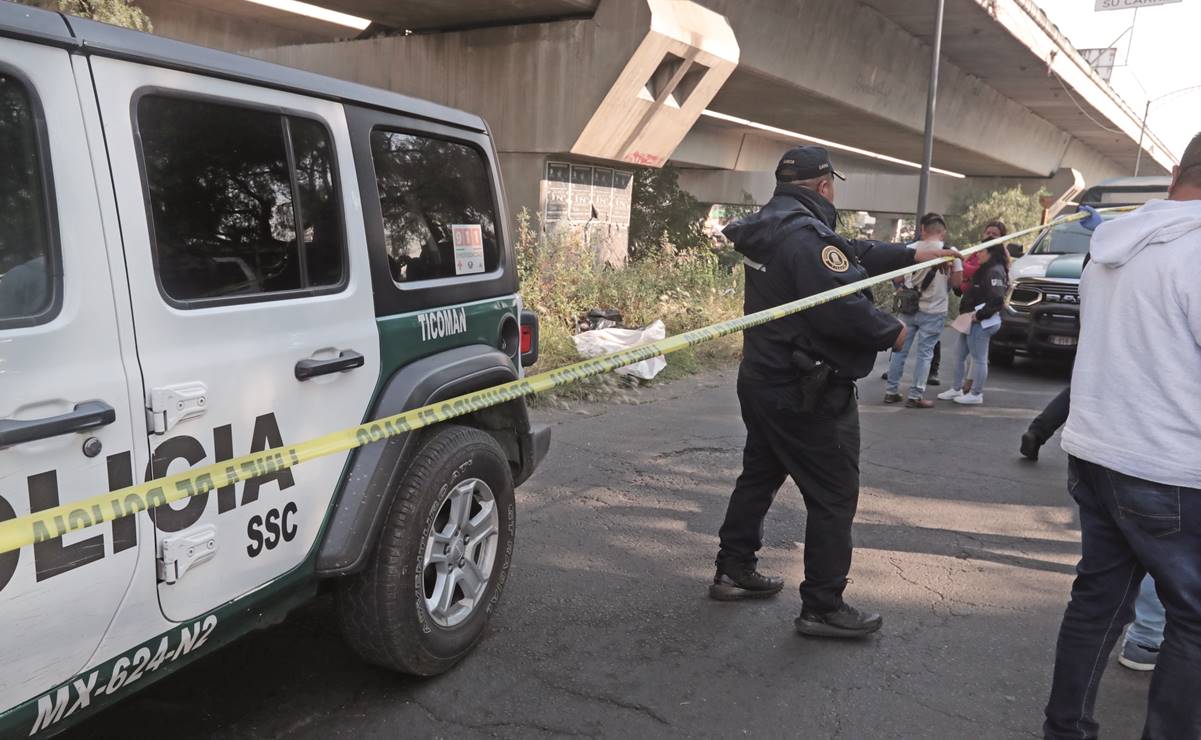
{"x": 1025, "y": 294}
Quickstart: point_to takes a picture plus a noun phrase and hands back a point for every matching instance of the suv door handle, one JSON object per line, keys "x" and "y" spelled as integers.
{"x": 347, "y": 359}
{"x": 87, "y": 415}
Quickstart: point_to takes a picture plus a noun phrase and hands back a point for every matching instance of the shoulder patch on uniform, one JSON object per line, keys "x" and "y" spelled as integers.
{"x": 834, "y": 259}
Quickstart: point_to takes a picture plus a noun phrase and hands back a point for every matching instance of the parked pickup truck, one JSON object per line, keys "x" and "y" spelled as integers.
{"x": 1042, "y": 310}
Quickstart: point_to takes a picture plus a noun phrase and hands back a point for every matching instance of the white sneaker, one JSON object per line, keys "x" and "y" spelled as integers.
{"x": 970, "y": 399}
{"x": 950, "y": 394}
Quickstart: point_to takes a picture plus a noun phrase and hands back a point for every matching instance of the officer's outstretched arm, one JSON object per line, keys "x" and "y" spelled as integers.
{"x": 880, "y": 257}
{"x": 854, "y": 321}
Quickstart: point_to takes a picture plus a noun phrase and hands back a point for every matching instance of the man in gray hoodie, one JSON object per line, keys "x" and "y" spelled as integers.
{"x": 1134, "y": 436}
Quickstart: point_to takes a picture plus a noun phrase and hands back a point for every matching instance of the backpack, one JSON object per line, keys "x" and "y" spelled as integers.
{"x": 907, "y": 300}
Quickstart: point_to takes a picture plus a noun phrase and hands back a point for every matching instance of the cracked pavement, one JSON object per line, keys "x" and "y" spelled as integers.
{"x": 604, "y": 629}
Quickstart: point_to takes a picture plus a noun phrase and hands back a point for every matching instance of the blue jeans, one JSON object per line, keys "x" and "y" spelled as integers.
{"x": 1130, "y": 527}
{"x": 974, "y": 343}
{"x": 924, "y": 330}
{"x": 1149, "y": 617}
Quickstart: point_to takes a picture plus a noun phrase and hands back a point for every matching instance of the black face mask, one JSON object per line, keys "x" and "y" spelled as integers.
{"x": 822, "y": 209}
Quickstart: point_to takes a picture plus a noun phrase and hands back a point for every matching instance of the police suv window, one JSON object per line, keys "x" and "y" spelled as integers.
{"x": 243, "y": 202}
{"x": 321, "y": 235}
{"x": 26, "y": 260}
{"x": 437, "y": 204}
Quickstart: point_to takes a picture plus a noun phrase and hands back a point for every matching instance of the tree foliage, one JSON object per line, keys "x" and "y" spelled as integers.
{"x": 117, "y": 12}
{"x": 426, "y": 185}
{"x": 1017, "y": 209}
{"x": 661, "y": 212}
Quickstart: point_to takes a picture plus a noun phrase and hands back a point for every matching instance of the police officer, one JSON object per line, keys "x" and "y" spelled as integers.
{"x": 796, "y": 386}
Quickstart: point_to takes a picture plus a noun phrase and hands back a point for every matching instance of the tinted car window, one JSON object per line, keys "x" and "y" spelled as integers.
{"x": 1066, "y": 239}
{"x": 225, "y": 200}
{"x": 438, "y": 210}
{"x": 321, "y": 235}
{"x": 26, "y": 285}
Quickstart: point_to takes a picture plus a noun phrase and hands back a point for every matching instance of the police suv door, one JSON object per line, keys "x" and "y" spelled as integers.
{"x": 65, "y": 351}
{"x": 253, "y": 310}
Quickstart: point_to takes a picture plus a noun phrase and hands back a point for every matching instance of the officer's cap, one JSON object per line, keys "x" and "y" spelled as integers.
{"x": 805, "y": 163}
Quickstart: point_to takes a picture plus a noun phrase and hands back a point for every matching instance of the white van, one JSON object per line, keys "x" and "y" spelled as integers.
{"x": 204, "y": 255}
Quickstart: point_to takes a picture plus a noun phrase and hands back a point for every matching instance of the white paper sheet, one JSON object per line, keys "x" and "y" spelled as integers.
{"x": 469, "y": 248}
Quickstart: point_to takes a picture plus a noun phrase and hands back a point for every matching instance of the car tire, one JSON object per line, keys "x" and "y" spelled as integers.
{"x": 1001, "y": 357}
{"x": 404, "y": 610}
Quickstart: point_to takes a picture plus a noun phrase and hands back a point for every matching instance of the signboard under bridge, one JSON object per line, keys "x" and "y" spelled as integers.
{"x": 1130, "y": 4}
{"x": 595, "y": 201}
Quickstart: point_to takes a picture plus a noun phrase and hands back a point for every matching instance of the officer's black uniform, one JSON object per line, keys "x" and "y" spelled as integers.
{"x": 811, "y": 434}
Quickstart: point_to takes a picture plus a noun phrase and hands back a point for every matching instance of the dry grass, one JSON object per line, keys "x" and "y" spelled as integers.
{"x": 561, "y": 279}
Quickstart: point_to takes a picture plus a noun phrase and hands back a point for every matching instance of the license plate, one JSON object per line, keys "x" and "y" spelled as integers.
{"x": 1064, "y": 341}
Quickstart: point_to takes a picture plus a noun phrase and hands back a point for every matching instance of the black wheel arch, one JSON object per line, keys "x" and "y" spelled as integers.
{"x": 376, "y": 470}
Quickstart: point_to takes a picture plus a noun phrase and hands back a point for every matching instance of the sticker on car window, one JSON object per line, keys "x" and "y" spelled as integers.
{"x": 469, "y": 248}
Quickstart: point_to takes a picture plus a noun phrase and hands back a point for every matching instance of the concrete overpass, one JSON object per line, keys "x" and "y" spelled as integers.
{"x": 721, "y": 87}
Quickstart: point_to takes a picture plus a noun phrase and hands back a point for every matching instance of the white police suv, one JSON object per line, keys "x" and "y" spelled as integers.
{"x": 204, "y": 255}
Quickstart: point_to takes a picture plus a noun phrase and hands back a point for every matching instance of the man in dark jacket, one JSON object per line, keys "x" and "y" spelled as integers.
{"x": 796, "y": 386}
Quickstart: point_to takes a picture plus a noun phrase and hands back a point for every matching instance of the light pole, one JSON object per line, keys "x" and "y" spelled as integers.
{"x": 931, "y": 99}
{"x": 1147, "y": 109}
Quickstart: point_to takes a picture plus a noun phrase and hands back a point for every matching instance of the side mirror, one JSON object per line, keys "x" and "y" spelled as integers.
{"x": 1015, "y": 250}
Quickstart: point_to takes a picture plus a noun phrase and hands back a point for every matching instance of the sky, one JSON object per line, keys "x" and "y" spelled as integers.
{"x": 1160, "y": 58}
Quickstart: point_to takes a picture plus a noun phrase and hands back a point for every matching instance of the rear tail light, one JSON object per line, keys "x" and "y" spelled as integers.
{"x": 529, "y": 338}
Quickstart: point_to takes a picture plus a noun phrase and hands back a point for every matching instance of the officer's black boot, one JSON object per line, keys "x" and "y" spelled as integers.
{"x": 734, "y": 583}
{"x": 845, "y": 621}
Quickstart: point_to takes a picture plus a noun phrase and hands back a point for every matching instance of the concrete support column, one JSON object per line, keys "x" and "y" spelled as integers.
{"x": 887, "y": 228}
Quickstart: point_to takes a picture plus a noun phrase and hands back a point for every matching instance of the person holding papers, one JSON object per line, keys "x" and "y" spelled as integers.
{"x": 986, "y": 293}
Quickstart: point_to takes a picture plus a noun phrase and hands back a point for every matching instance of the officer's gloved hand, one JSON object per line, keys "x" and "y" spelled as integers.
{"x": 926, "y": 253}
{"x": 1092, "y": 220}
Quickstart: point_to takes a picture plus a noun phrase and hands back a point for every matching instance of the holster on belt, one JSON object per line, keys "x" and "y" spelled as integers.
{"x": 814, "y": 379}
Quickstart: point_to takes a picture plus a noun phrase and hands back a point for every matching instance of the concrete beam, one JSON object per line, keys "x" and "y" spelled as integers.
{"x": 716, "y": 143}
{"x": 626, "y": 85}
{"x": 426, "y": 15}
{"x": 597, "y": 90}
{"x": 680, "y": 64}
{"x": 537, "y": 85}
{"x": 841, "y": 71}
{"x": 874, "y": 185}
{"x": 834, "y": 69}
{"x": 866, "y": 191}
{"x": 1014, "y": 48}
{"x": 236, "y": 25}
{"x": 1015, "y": 99}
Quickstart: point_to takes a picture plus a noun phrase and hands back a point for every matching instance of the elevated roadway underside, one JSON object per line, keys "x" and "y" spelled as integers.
{"x": 607, "y": 85}
{"x": 1033, "y": 63}
{"x": 1015, "y": 99}
{"x": 440, "y": 15}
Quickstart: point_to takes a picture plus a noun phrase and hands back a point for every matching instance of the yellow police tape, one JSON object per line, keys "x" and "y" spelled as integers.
{"x": 54, "y": 522}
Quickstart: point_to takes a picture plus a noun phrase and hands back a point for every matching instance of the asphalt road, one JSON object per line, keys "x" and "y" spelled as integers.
{"x": 605, "y": 631}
